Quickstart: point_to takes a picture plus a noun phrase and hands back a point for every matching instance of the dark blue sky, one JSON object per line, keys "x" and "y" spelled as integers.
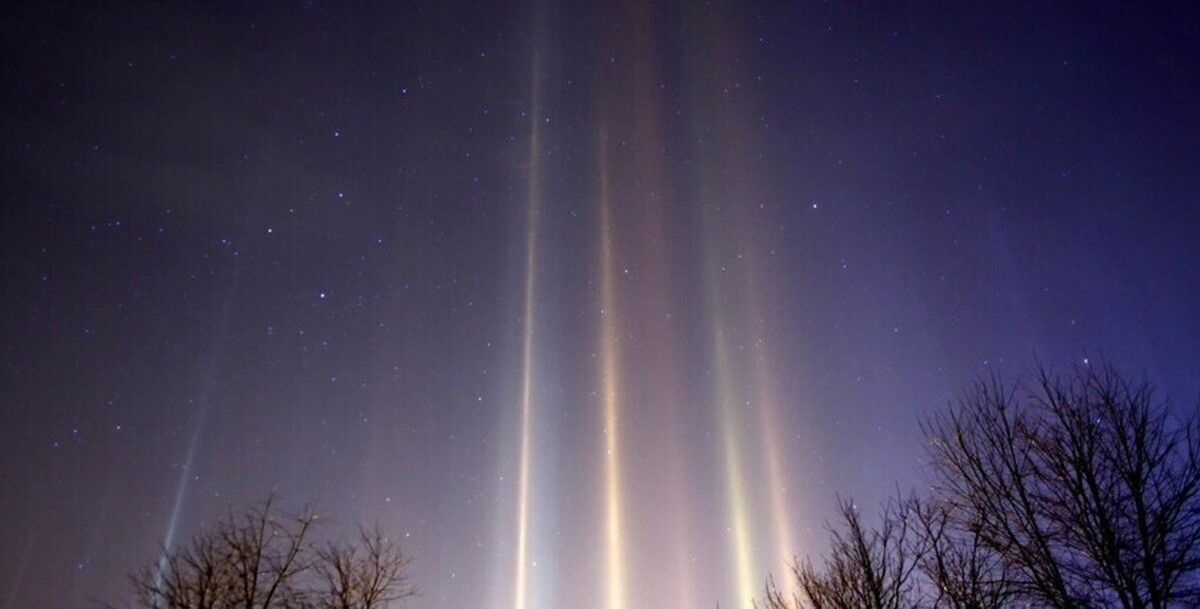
{"x": 649, "y": 282}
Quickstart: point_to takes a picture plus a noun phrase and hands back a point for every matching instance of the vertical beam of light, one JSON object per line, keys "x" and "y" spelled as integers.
{"x": 609, "y": 373}
{"x": 204, "y": 404}
{"x": 645, "y": 102}
{"x": 15, "y": 587}
{"x": 735, "y": 485}
{"x": 713, "y": 188}
{"x": 747, "y": 235}
{"x": 520, "y": 600}
{"x": 738, "y": 183}
{"x": 769, "y": 427}
{"x": 736, "y": 494}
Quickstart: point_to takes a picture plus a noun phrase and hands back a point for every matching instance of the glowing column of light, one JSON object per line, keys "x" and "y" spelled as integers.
{"x": 204, "y": 404}
{"x": 735, "y": 486}
{"x": 531, "y": 248}
{"x": 736, "y": 498}
{"x": 613, "y": 525}
{"x": 719, "y": 161}
{"x": 769, "y": 432}
{"x": 638, "y": 38}
{"x": 765, "y": 388}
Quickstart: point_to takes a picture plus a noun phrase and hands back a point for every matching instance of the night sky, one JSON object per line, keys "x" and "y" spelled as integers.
{"x": 591, "y": 305}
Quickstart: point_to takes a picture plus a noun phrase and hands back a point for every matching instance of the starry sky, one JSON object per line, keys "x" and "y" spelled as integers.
{"x": 590, "y": 304}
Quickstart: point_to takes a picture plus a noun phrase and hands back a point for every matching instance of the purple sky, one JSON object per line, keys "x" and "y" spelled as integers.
{"x": 590, "y": 304}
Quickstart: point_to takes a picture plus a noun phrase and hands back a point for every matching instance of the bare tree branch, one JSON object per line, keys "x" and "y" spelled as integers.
{"x": 1085, "y": 487}
{"x": 864, "y": 569}
{"x": 260, "y": 559}
{"x": 368, "y": 575}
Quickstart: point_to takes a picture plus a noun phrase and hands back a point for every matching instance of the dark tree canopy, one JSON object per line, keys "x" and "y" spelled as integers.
{"x": 263, "y": 559}
{"x": 864, "y": 569}
{"x": 1068, "y": 491}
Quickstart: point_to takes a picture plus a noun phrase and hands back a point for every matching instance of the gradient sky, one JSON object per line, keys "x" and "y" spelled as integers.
{"x": 592, "y": 305}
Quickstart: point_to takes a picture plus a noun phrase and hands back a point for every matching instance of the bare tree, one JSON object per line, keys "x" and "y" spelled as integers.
{"x": 260, "y": 559}
{"x": 369, "y": 575}
{"x": 864, "y": 569}
{"x": 1086, "y": 488}
{"x": 962, "y": 573}
{"x": 196, "y": 576}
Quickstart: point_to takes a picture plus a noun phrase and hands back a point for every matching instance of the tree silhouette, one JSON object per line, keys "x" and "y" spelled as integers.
{"x": 1086, "y": 487}
{"x": 962, "y": 572}
{"x": 1072, "y": 491}
{"x": 864, "y": 569}
{"x": 261, "y": 559}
